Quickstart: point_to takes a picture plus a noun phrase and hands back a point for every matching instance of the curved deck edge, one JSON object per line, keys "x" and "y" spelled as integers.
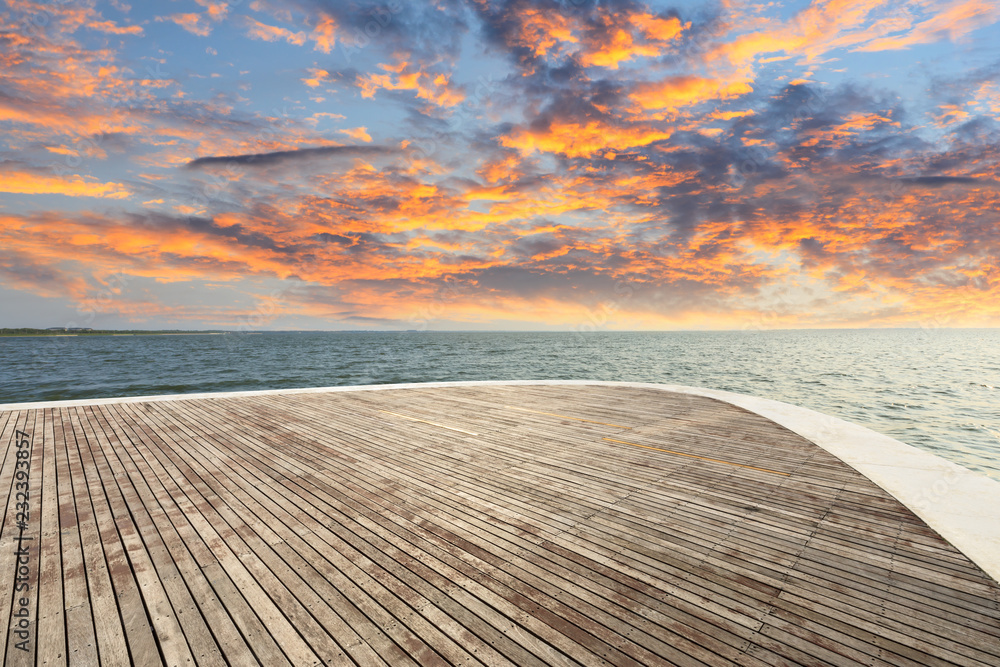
{"x": 961, "y": 505}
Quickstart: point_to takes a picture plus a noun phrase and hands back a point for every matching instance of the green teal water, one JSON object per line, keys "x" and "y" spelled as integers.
{"x": 935, "y": 389}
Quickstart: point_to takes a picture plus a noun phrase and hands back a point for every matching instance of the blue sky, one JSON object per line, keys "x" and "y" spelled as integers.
{"x": 499, "y": 165}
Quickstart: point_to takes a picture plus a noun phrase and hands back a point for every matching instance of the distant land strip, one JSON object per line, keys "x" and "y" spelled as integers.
{"x": 60, "y": 331}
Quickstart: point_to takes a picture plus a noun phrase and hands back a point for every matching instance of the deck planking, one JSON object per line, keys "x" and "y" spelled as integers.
{"x": 475, "y": 525}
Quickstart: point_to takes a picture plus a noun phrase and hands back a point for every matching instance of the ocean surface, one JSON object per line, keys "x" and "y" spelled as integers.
{"x": 937, "y": 389}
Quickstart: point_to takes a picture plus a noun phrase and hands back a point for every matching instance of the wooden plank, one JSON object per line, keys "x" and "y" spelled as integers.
{"x": 81, "y": 633}
{"x": 112, "y": 645}
{"x": 51, "y": 604}
{"x": 282, "y": 519}
{"x": 299, "y": 529}
{"x": 210, "y": 632}
{"x": 142, "y": 601}
{"x": 232, "y": 555}
{"x": 156, "y": 513}
{"x": 166, "y": 606}
{"x": 248, "y": 608}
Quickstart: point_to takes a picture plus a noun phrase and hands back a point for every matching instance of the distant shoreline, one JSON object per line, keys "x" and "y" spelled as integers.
{"x": 8, "y": 333}
{"x": 26, "y": 332}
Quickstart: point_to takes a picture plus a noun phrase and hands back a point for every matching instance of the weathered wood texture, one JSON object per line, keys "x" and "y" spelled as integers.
{"x": 524, "y": 525}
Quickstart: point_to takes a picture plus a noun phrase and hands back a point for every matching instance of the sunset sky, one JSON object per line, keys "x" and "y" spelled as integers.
{"x": 480, "y": 164}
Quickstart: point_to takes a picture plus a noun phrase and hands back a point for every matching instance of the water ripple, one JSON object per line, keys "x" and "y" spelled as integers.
{"x": 934, "y": 389}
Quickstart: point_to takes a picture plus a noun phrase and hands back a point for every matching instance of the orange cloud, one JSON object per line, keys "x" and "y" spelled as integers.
{"x": 196, "y": 24}
{"x": 605, "y": 38}
{"x": 625, "y": 37}
{"x": 435, "y": 88}
{"x": 371, "y": 202}
{"x": 216, "y": 10}
{"x": 270, "y": 33}
{"x": 544, "y": 32}
{"x": 862, "y": 25}
{"x": 954, "y": 22}
{"x": 504, "y": 167}
{"x": 729, "y": 115}
{"x": 681, "y": 91}
{"x": 987, "y": 96}
{"x": 325, "y": 34}
{"x": 21, "y": 182}
{"x": 602, "y": 175}
{"x": 317, "y": 78}
{"x": 948, "y": 114}
{"x": 850, "y": 127}
{"x": 744, "y": 49}
{"x": 359, "y": 133}
{"x": 113, "y": 28}
{"x": 657, "y": 28}
{"x": 200, "y": 24}
{"x": 581, "y": 138}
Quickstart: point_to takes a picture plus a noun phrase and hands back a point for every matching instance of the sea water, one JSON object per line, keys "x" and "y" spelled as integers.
{"x": 937, "y": 389}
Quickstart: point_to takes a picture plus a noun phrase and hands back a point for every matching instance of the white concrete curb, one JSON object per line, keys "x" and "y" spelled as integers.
{"x": 961, "y": 505}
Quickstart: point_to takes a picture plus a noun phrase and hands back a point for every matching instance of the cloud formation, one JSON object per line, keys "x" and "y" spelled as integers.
{"x": 279, "y": 157}
{"x": 478, "y": 163}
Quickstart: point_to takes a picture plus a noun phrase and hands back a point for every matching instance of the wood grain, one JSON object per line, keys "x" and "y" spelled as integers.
{"x": 488, "y": 525}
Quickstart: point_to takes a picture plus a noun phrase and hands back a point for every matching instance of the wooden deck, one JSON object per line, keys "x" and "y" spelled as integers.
{"x": 524, "y": 525}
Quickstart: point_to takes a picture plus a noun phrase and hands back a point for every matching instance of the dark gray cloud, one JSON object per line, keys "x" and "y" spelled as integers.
{"x": 20, "y": 269}
{"x": 358, "y": 243}
{"x": 594, "y": 289}
{"x": 237, "y": 232}
{"x": 431, "y": 33}
{"x": 956, "y": 87}
{"x": 939, "y": 181}
{"x": 280, "y": 157}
